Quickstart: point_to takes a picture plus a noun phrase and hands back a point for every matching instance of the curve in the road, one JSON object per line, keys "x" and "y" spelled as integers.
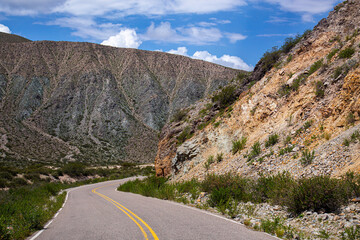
{"x": 128, "y": 213}
{"x": 92, "y": 213}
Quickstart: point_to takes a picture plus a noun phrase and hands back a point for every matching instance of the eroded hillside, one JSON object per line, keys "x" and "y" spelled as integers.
{"x": 82, "y": 101}
{"x": 302, "y": 116}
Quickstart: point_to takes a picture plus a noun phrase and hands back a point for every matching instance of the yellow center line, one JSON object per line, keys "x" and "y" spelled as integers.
{"x": 128, "y": 212}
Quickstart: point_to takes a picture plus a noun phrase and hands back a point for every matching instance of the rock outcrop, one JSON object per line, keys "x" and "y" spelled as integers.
{"x": 82, "y": 101}
{"x": 310, "y": 100}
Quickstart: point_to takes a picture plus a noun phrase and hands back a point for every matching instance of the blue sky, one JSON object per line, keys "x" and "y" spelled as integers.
{"x": 234, "y": 33}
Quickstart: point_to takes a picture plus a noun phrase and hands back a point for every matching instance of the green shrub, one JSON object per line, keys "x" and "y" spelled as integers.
{"x": 74, "y": 169}
{"x": 184, "y": 135}
{"x": 350, "y": 119}
{"x": 225, "y": 97}
{"x": 316, "y": 66}
{"x": 203, "y": 125}
{"x": 332, "y": 54}
{"x": 272, "y": 140}
{"x": 208, "y": 162}
{"x": 272, "y": 227}
{"x": 219, "y": 157}
{"x": 347, "y": 52}
{"x": 217, "y": 124}
{"x": 274, "y": 188}
{"x": 320, "y": 193}
{"x": 255, "y": 151}
{"x": 287, "y": 140}
{"x": 228, "y": 185}
{"x": 179, "y": 115}
{"x": 319, "y": 89}
{"x": 285, "y": 150}
{"x": 219, "y": 197}
{"x": 307, "y": 157}
{"x": 351, "y": 233}
{"x": 338, "y": 71}
{"x": 307, "y": 124}
{"x": 289, "y": 58}
{"x": 286, "y": 89}
{"x": 238, "y": 145}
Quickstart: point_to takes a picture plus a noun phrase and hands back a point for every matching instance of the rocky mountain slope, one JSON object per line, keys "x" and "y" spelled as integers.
{"x": 83, "y": 101}
{"x": 300, "y": 113}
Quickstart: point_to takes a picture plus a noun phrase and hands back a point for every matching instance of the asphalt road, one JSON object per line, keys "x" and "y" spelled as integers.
{"x": 98, "y": 211}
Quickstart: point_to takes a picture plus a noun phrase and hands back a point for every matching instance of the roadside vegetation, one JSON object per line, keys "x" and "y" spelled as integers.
{"x": 30, "y": 196}
{"x": 224, "y": 192}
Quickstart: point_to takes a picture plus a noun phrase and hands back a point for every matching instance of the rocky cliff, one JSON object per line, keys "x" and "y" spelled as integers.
{"x": 299, "y": 114}
{"x": 83, "y": 101}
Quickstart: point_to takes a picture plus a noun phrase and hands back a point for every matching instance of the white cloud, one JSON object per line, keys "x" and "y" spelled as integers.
{"x": 278, "y": 20}
{"x": 163, "y": 32}
{"x": 207, "y": 24}
{"x": 192, "y": 35}
{"x": 125, "y": 38}
{"x": 26, "y": 7}
{"x": 306, "y": 7}
{"x": 307, "y": 18}
{"x": 86, "y": 27}
{"x": 234, "y": 37}
{"x": 225, "y": 60}
{"x": 4, "y": 29}
{"x": 180, "y": 51}
{"x": 145, "y": 7}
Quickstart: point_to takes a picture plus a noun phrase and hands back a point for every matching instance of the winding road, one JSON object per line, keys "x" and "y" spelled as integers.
{"x": 98, "y": 211}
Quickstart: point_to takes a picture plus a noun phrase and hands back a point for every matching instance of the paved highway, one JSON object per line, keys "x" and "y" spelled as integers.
{"x": 98, "y": 211}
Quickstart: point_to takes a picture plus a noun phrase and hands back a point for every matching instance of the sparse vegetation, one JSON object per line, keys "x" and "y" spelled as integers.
{"x": 350, "y": 118}
{"x": 332, "y": 54}
{"x": 307, "y": 124}
{"x": 351, "y": 233}
{"x": 338, "y": 71}
{"x": 286, "y": 89}
{"x": 217, "y": 124}
{"x": 355, "y": 136}
{"x": 179, "y": 115}
{"x": 272, "y": 140}
{"x": 316, "y": 66}
{"x": 271, "y": 57}
{"x": 255, "y": 151}
{"x": 184, "y": 135}
{"x": 208, "y": 162}
{"x": 219, "y": 157}
{"x": 287, "y": 140}
{"x": 225, "y": 97}
{"x": 347, "y": 52}
{"x": 285, "y": 150}
{"x": 320, "y": 193}
{"x": 238, "y": 145}
{"x": 307, "y": 157}
{"x": 319, "y": 89}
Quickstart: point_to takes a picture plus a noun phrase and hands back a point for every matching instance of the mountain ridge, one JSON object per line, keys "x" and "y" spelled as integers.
{"x": 300, "y": 115}
{"x": 101, "y": 100}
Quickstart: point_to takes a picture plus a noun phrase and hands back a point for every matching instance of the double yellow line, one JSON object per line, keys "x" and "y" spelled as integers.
{"x": 129, "y": 213}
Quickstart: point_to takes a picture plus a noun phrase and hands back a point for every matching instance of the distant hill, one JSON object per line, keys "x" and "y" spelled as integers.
{"x": 64, "y": 101}
{"x": 12, "y": 38}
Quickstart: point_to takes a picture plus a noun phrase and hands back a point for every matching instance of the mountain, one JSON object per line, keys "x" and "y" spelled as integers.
{"x": 12, "y": 38}
{"x": 297, "y": 112}
{"x": 64, "y": 101}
